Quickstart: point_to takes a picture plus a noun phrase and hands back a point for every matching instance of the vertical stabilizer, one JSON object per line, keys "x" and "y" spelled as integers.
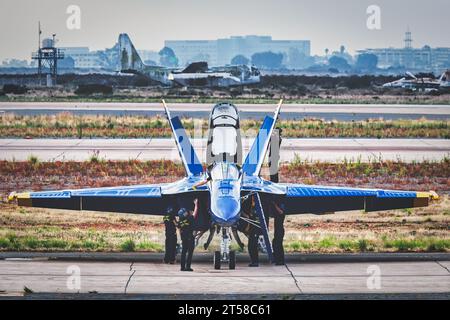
{"x": 129, "y": 57}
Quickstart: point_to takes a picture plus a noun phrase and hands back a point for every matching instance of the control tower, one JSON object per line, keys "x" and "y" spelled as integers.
{"x": 47, "y": 57}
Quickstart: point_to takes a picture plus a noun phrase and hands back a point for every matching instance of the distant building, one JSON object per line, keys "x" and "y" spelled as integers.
{"x": 14, "y": 63}
{"x": 424, "y": 59}
{"x": 149, "y": 55}
{"x": 86, "y": 59}
{"x": 221, "y": 51}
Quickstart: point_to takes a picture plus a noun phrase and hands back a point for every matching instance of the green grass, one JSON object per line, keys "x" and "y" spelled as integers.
{"x": 298, "y": 246}
{"x": 34, "y": 160}
{"x": 364, "y": 245}
{"x": 331, "y": 244}
{"x": 425, "y": 244}
{"x": 328, "y": 242}
{"x": 149, "y": 246}
{"x": 348, "y": 245}
{"x": 12, "y": 242}
{"x": 128, "y": 245}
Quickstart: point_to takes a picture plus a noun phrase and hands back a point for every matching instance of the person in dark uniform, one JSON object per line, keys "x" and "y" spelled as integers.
{"x": 252, "y": 231}
{"x": 274, "y": 154}
{"x": 186, "y": 223}
{"x": 171, "y": 235}
{"x": 253, "y": 237}
{"x": 278, "y": 236}
{"x": 205, "y": 181}
{"x": 276, "y": 208}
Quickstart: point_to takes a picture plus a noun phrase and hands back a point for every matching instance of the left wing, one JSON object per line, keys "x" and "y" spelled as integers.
{"x": 323, "y": 199}
{"x": 141, "y": 199}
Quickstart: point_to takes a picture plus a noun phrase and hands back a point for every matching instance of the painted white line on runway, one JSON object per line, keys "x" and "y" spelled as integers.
{"x": 206, "y": 107}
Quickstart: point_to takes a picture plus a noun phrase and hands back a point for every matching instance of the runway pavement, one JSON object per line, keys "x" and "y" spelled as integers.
{"x": 343, "y": 112}
{"x": 300, "y": 280}
{"x": 154, "y": 149}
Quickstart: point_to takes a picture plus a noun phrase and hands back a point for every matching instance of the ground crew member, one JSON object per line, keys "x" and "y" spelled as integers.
{"x": 274, "y": 154}
{"x": 278, "y": 236}
{"x": 253, "y": 237}
{"x": 186, "y": 221}
{"x": 205, "y": 181}
{"x": 171, "y": 235}
{"x": 253, "y": 232}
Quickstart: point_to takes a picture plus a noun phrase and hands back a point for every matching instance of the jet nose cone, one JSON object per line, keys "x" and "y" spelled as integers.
{"x": 227, "y": 210}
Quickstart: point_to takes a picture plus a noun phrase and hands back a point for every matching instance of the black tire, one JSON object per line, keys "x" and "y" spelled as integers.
{"x": 232, "y": 260}
{"x": 217, "y": 258}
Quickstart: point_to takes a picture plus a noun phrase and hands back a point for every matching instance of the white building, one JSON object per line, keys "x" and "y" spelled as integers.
{"x": 86, "y": 59}
{"x": 422, "y": 59}
{"x": 147, "y": 55}
{"x": 221, "y": 51}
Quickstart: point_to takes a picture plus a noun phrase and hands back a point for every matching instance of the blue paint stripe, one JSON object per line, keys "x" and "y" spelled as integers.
{"x": 192, "y": 164}
{"x": 256, "y": 155}
{"x": 305, "y": 191}
{"x": 144, "y": 192}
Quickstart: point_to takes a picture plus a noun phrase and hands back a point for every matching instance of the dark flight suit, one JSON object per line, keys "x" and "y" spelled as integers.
{"x": 278, "y": 236}
{"x": 186, "y": 226}
{"x": 274, "y": 155}
{"x": 253, "y": 234}
{"x": 253, "y": 237}
{"x": 171, "y": 238}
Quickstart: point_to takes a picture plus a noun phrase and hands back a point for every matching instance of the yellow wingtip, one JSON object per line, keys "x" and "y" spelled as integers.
{"x": 12, "y": 196}
{"x": 432, "y": 195}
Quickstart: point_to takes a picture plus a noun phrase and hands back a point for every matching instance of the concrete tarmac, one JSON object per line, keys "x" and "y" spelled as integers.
{"x": 330, "y": 150}
{"x": 375, "y": 278}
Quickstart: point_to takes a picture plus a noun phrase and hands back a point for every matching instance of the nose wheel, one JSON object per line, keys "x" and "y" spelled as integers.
{"x": 231, "y": 260}
{"x": 225, "y": 255}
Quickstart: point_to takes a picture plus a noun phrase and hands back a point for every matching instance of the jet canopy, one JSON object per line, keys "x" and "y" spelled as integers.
{"x": 225, "y": 115}
{"x": 224, "y": 140}
{"x": 224, "y": 171}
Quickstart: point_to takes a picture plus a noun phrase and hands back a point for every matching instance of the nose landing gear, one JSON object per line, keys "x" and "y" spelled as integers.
{"x": 225, "y": 255}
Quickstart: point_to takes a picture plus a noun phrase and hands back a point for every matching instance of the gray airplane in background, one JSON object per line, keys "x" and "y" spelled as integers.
{"x": 197, "y": 74}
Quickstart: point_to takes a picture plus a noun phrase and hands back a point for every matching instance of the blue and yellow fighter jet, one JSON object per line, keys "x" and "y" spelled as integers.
{"x": 225, "y": 185}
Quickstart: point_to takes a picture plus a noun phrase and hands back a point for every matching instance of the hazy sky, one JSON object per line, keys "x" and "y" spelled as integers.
{"x": 327, "y": 23}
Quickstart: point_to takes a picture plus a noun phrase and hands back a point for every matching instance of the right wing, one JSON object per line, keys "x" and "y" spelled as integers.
{"x": 301, "y": 198}
{"x": 187, "y": 153}
{"x": 141, "y": 199}
{"x": 323, "y": 199}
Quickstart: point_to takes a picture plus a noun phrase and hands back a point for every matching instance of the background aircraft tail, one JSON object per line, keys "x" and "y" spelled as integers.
{"x": 129, "y": 57}
{"x": 131, "y": 62}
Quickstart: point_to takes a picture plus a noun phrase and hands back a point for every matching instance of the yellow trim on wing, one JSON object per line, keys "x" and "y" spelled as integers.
{"x": 23, "y": 195}
{"x": 422, "y": 194}
{"x": 431, "y": 195}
